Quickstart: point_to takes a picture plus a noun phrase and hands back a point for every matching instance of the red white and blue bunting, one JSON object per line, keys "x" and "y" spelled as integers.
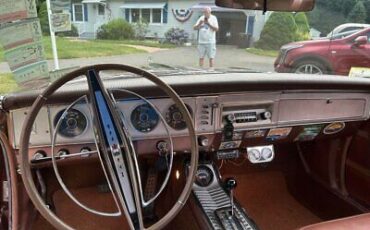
{"x": 182, "y": 15}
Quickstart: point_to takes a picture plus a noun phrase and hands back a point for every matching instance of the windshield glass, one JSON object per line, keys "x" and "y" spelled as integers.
{"x": 178, "y": 37}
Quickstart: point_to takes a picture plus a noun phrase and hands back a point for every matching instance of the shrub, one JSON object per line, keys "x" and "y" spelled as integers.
{"x": 176, "y": 36}
{"x": 303, "y": 28}
{"x": 72, "y": 33}
{"x": 141, "y": 29}
{"x": 279, "y": 29}
{"x": 117, "y": 29}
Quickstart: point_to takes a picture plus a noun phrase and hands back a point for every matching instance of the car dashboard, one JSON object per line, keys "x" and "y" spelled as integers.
{"x": 226, "y": 123}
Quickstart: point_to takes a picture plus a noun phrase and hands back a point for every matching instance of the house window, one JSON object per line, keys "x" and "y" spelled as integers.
{"x": 157, "y": 16}
{"x": 101, "y": 9}
{"x": 146, "y": 15}
{"x": 78, "y": 13}
{"x": 135, "y": 15}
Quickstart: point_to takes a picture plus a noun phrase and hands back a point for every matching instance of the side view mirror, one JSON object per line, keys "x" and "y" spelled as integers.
{"x": 359, "y": 41}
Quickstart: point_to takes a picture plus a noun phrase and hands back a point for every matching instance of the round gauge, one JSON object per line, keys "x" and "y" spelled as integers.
{"x": 254, "y": 155}
{"x": 174, "y": 117}
{"x": 73, "y": 124}
{"x": 204, "y": 176}
{"x": 144, "y": 118}
{"x": 266, "y": 153}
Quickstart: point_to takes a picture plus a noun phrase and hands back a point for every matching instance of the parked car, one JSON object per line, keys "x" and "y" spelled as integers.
{"x": 347, "y": 27}
{"x": 327, "y": 56}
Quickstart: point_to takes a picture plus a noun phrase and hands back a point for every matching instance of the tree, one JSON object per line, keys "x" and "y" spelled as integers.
{"x": 325, "y": 19}
{"x": 303, "y": 28}
{"x": 44, "y": 20}
{"x": 358, "y": 13}
{"x": 279, "y": 29}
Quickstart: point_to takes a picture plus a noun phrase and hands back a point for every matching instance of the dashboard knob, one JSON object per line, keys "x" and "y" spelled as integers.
{"x": 63, "y": 152}
{"x": 162, "y": 147}
{"x": 266, "y": 115}
{"x": 230, "y": 118}
{"x": 39, "y": 155}
{"x": 85, "y": 150}
{"x": 203, "y": 141}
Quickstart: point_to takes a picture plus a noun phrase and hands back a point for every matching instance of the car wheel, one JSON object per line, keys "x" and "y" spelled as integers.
{"x": 310, "y": 67}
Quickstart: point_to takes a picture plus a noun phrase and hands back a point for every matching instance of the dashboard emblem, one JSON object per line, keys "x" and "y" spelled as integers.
{"x": 334, "y": 128}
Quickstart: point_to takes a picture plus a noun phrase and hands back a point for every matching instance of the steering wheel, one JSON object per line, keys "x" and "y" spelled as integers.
{"x": 116, "y": 153}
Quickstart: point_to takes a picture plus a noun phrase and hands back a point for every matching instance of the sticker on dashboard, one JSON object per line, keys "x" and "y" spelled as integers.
{"x": 278, "y": 133}
{"x": 334, "y": 128}
{"x": 255, "y": 133}
{"x": 309, "y": 133}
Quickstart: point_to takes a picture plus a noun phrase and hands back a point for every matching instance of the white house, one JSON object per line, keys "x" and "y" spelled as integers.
{"x": 89, "y": 15}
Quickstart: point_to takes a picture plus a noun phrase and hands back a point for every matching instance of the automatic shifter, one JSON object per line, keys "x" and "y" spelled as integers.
{"x": 230, "y": 185}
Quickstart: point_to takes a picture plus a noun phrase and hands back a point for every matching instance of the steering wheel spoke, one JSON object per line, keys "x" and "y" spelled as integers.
{"x": 115, "y": 151}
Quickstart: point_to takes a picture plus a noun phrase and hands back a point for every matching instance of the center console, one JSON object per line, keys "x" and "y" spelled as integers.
{"x": 217, "y": 203}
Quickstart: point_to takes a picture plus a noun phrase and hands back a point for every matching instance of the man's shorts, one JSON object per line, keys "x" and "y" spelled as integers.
{"x": 208, "y": 50}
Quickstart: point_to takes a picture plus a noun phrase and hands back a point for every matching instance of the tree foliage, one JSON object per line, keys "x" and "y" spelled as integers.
{"x": 303, "y": 28}
{"x": 279, "y": 29}
{"x": 44, "y": 20}
{"x": 358, "y": 14}
{"x": 329, "y": 14}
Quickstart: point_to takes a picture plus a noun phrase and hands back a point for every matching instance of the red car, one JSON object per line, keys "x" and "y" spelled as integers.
{"x": 326, "y": 56}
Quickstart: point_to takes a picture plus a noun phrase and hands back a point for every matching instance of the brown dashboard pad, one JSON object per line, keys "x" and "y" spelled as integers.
{"x": 266, "y": 199}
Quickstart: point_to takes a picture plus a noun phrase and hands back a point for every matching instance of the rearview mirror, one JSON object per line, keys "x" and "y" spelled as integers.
{"x": 269, "y": 5}
{"x": 361, "y": 40}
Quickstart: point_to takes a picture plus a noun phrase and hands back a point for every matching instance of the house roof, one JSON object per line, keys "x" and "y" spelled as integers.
{"x": 143, "y": 5}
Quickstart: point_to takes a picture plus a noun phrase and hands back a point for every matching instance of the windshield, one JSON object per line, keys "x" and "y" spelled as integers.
{"x": 178, "y": 37}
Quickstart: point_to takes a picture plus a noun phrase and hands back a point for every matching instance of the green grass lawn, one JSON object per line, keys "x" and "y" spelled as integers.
{"x": 269, "y": 53}
{"x": 7, "y": 83}
{"x": 149, "y": 43}
{"x": 74, "y": 48}
{"x": 68, "y": 48}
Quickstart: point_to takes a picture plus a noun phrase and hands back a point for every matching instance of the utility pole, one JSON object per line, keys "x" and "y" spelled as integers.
{"x": 52, "y": 37}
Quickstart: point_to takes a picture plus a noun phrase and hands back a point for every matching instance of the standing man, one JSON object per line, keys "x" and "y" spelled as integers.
{"x": 207, "y": 25}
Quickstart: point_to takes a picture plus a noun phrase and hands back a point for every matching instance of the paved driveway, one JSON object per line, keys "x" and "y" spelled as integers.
{"x": 227, "y": 56}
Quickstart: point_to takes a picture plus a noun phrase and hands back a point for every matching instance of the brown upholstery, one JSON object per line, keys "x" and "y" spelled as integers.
{"x": 358, "y": 222}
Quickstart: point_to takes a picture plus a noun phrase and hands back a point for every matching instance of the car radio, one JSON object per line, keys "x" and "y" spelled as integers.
{"x": 239, "y": 116}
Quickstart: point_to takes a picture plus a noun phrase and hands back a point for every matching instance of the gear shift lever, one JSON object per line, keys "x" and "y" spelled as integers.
{"x": 230, "y": 185}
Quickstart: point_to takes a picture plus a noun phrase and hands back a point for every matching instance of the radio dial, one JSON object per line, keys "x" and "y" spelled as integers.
{"x": 230, "y": 118}
{"x": 266, "y": 115}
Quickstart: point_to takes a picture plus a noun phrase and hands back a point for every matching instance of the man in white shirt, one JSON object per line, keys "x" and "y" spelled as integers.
{"x": 207, "y": 25}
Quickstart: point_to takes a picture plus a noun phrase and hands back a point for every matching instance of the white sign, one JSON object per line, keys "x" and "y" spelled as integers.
{"x": 61, "y": 22}
{"x": 60, "y": 5}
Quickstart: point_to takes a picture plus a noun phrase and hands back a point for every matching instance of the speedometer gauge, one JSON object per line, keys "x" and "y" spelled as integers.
{"x": 144, "y": 118}
{"x": 174, "y": 117}
{"x": 74, "y": 123}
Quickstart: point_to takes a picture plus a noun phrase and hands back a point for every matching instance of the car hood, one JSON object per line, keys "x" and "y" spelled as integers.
{"x": 308, "y": 43}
